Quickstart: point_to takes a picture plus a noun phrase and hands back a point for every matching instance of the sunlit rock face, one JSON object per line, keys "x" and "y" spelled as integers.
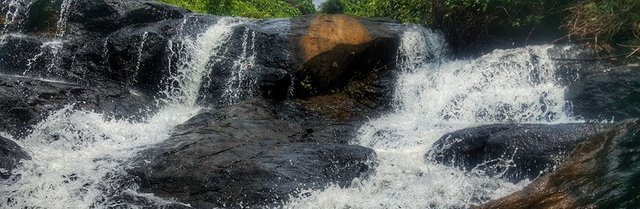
{"x": 602, "y": 172}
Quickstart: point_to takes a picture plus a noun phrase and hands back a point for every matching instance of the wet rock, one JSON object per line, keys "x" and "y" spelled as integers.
{"x": 512, "y": 151}
{"x": 602, "y": 172}
{"x": 607, "y": 95}
{"x": 248, "y": 155}
{"x": 10, "y": 155}
{"x": 13, "y": 53}
{"x": 26, "y": 101}
{"x": 107, "y": 16}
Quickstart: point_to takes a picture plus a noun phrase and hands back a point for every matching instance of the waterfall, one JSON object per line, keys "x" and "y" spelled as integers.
{"x": 238, "y": 85}
{"x": 434, "y": 96}
{"x": 145, "y": 35}
{"x": 79, "y": 156}
{"x": 194, "y": 64}
{"x": 61, "y": 25}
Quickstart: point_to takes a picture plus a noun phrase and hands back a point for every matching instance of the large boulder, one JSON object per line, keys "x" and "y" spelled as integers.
{"x": 25, "y": 101}
{"x": 602, "y": 172}
{"x": 336, "y": 51}
{"x": 607, "y": 95}
{"x": 10, "y": 155}
{"x": 250, "y": 154}
{"x": 512, "y": 151}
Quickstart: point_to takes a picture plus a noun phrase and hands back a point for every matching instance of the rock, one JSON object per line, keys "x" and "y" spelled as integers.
{"x": 337, "y": 49}
{"x": 602, "y": 172}
{"x": 609, "y": 95}
{"x": 26, "y": 101}
{"x": 13, "y": 53}
{"x": 10, "y": 155}
{"x": 250, "y": 155}
{"x": 107, "y": 16}
{"x": 512, "y": 151}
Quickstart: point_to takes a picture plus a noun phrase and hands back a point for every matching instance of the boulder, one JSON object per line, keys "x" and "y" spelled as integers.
{"x": 612, "y": 95}
{"x": 101, "y": 17}
{"x": 512, "y": 151}
{"x": 249, "y": 155}
{"x": 602, "y": 172}
{"x": 334, "y": 50}
{"x": 25, "y": 101}
{"x": 10, "y": 156}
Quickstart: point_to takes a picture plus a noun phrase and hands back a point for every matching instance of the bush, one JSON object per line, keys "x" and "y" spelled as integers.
{"x": 247, "y": 8}
{"x": 263, "y": 9}
{"x": 332, "y": 7}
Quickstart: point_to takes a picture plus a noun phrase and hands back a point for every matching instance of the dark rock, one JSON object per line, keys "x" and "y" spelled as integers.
{"x": 106, "y": 16}
{"x": 609, "y": 95}
{"x": 602, "y": 172}
{"x": 513, "y": 151}
{"x": 26, "y": 101}
{"x": 250, "y": 155}
{"x": 10, "y": 155}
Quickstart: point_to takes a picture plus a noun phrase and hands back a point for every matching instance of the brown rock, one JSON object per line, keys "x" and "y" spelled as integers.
{"x": 603, "y": 172}
{"x": 335, "y": 50}
{"x": 328, "y": 31}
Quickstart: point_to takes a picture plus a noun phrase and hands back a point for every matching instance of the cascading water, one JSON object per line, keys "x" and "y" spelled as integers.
{"x": 78, "y": 155}
{"x": 197, "y": 55}
{"x": 237, "y": 84}
{"x": 61, "y": 25}
{"x": 145, "y": 35}
{"x": 433, "y": 97}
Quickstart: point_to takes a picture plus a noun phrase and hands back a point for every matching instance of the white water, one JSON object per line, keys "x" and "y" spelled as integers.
{"x": 199, "y": 51}
{"x": 238, "y": 85}
{"x": 79, "y": 155}
{"x": 65, "y": 10}
{"x": 145, "y": 35}
{"x": 434, "y": 98}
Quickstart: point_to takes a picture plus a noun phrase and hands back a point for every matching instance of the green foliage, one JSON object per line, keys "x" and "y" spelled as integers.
{"x": 332, "y": 7}
{"x": 263, "y": 9}
{"x": 193, "y": 5}
{"x": 247, "y": 8}
{"x": 304, "y": 6}
{"x": 408, "y": 11}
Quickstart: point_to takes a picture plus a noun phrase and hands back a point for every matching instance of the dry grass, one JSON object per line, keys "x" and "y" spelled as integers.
{"x": 603, "y": 25}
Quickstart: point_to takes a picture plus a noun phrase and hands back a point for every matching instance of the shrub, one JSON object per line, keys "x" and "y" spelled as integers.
{"x": 332, "y": 7}
{"x": 263, "y": 9}
{"x": 247, "y": 8}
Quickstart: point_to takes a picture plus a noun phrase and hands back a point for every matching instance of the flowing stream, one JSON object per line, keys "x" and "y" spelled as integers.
{"x": 435, "y": 95}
